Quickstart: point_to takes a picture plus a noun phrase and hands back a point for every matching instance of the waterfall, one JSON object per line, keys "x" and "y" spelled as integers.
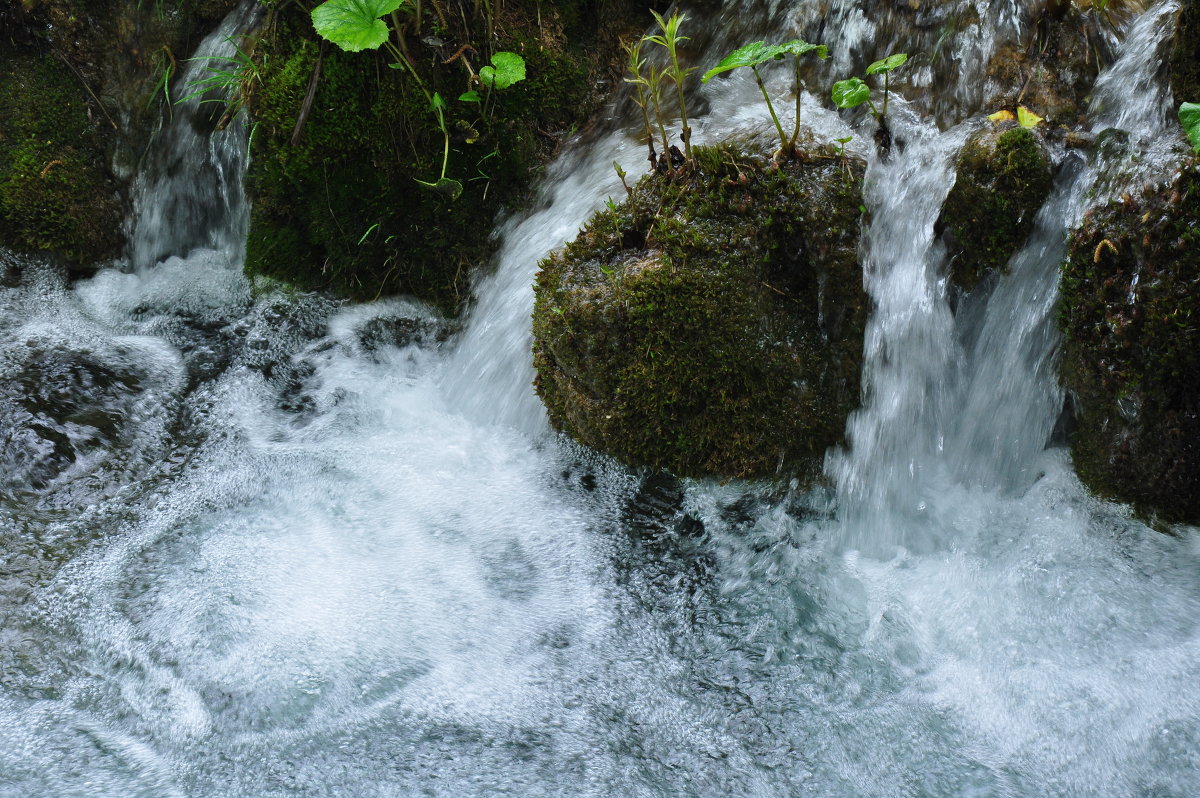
{"x": 189, "y": 195}
{"x": 260, "y": 544}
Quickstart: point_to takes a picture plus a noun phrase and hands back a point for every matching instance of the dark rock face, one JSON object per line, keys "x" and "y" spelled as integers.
{"x": 1003, "y": 177}
{"x": 712, "y": 324}
{"x": 1131, "y": 319}
{"x": 1185, "y": 55}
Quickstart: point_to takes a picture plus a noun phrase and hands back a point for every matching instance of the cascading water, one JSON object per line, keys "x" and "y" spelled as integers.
{"x": 280, "y": 546}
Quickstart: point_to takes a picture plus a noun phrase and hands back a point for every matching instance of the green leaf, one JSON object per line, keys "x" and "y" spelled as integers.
{"x": 1026, "y": 118}
{"x": 505, "y": 70}
{"x": 437, "y": 104}
{"x": 798, "y": 48}
{"x": 850, "y": 93}
{"x": 1189, "y": 117}
{"x": 471, "y": 96}
{"x": 354, "y": 25}
{"x": 748, "y": 55}
{"x": 445, "y": 186}
{"x": 887, "y": 64}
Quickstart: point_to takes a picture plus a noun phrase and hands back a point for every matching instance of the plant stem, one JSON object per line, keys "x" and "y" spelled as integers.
{"x": 791, "y": 147}
{"x": 770, "y": 107}
{"x": 885, "y": 94}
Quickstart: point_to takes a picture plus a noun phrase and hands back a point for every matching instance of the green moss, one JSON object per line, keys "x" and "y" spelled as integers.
{"x": 369, "y": 138}
{"x": 1002, "y": 177}
{"x": 712, "y": 325}
{"x": 55, "y": 192}
{"x": 1131, "y": 321}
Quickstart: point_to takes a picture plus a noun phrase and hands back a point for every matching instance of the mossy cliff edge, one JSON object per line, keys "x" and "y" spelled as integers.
{"x": 1131, "y": 322}
{"x": 77, "y": 104}
{"x": 341, "y": 141}
{"x": 712, "y": 324}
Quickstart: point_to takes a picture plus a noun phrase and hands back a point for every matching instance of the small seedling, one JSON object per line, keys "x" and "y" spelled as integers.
{"x": 642, "y": 95}
{"x": 621, "y": 174}
{"x": 670, "y": 40}
{"x": 758, "y": 53}
{"x": 842, "y": 142}
{"x": 853, "y": 92}
{"x": 444, "y": 185}
{"x": 1189, "y": 117}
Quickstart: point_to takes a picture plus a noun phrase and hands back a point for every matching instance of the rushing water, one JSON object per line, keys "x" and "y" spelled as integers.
{"x": 275, "y": 545}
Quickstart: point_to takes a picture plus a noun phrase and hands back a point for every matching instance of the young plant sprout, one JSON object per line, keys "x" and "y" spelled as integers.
{"x": 444, "y": 185}
{"x": 670, "y": 40}
{"x": 754, "y": 55}
{"x": 853, "y": 92}
{"x": 647, "y": 93}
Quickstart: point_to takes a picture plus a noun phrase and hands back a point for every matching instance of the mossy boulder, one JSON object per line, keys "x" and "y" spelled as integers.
{"x": 336, "y": 198}
{"x": 712, "y": 324}
{"x": 1002, "y": 176}
{"x": 1131, "y": 323}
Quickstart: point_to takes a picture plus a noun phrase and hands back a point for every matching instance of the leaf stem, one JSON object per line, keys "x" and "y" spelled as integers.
{"x": 774, "y": 118}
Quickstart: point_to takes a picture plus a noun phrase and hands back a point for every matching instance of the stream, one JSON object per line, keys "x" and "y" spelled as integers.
{"x": 266, "y": 543}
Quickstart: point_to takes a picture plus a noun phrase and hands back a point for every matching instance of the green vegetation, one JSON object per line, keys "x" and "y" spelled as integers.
{"x": 670, "y": 39}
{"x": 754, "y": 55}
{"x": 711, "y": 323}
{"x": 343, "y": 140}
{"x": 1189, "y": 117}
{"x": 853, "y": 92}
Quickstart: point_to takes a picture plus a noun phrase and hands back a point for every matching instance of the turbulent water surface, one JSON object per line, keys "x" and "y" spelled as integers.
{"x": 270, "y": 544}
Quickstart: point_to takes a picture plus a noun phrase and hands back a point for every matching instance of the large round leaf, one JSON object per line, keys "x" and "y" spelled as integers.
{"x": 354, "y": 25}
{"x": 1189, "y": 117}
{"x": 505, "y": 70}
{"x": 850, "y": 93}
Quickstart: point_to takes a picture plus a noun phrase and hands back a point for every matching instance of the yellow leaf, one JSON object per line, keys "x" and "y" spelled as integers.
{"x": 1026, "y": 118}
{"x": 1002, "y": 116}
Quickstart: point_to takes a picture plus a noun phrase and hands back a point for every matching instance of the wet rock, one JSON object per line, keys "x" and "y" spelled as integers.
{"x": 729, "y": 342}
{"x": 1051, "y": 71}
{"x": 1130, "y": 311}
{"x": 62, "y": 410}
{"x": 1003, "y": 175}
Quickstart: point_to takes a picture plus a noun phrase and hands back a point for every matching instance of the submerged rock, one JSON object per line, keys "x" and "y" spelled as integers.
{"x": 1003, "y": 176}
{"x": 1131, "y": 319}
{"x": 712, "y": 323}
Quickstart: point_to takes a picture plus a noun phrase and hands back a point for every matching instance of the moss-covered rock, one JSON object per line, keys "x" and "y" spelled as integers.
{"x": 1003, "y": 175}
{"x": 336, "y": 198}
{"x": 1131, "y": 321}
{"x": 56, "y": 192}
{"x": 712, "y": 324}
